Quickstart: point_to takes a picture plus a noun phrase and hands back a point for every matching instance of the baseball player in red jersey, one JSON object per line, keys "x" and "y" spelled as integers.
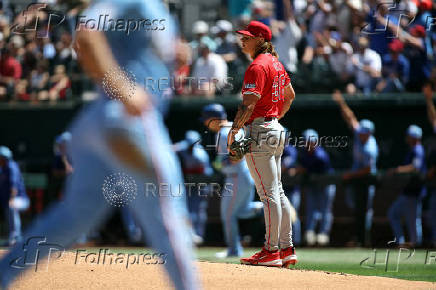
{"x": 267, "y": 96}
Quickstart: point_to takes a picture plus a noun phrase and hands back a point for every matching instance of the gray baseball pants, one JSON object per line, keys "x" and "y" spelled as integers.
{"x": 264, "y": 162}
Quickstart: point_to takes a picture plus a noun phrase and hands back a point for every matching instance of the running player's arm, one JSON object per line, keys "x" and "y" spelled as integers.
{"x": 289, "y": 98}
{"x": 431, "y": 111}
{"x": 347, "y": 113}
{"x": 95, "y": 56}
{"x": 357, "y": 173}
{"x": 370, "y": 160}
{"x": 414, "y": 166}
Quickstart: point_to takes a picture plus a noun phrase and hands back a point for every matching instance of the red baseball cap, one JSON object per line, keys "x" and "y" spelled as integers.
{"x": 396, "y": 46}
{"x": 257, "y": 29}
{"x": 417, "y": 31}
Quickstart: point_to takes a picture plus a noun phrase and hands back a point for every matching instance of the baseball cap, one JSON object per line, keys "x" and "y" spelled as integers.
{"x": 414, "y": 132}
{"x": 205, "y": 42}
{"x": 192, "y": 137}
{"x": 5, "y": 152}
{"x": 64, "y": 137}
{"x": 257, "y": 29}
{"x": 417, "y": 31}
{"x": 311, "y": 135}
{"x": 424, "y": 4}
{"x": 213, "y": 111}
{"x": 200, "y": 27}
{"x": 224, "y": 25}
{"x": 366, "y": 127}
{"x": 396, "y": 46}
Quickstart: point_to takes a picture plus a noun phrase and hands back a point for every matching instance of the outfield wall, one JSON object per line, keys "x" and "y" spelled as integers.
{"x": 30, "y": 130}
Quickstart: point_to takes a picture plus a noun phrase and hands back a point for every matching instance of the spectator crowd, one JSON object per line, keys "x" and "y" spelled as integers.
{"x": 358, "y": 46}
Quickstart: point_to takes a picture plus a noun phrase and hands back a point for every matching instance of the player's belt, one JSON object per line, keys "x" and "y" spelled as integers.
{"x": 266, "y": 119}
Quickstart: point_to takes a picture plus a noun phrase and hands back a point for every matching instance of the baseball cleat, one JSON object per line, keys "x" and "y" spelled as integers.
{"x": 225, "y": 254}
{"x": 322, "y": 239}
{"x": 264, "y": 258}
{"x": 288, "y": 257}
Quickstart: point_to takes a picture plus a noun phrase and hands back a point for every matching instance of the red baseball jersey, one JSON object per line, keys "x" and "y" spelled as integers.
{"x": 267, "y": 78}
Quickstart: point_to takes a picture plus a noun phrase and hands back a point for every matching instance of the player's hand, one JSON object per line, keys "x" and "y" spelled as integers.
{"x": 337, "y": 96}
{"x": 347, "y": 176}
{"x": 391, "y": 171}
{"x": 231, "y": 139}
{"x": 355, "y": 60}
{"x": 427, "y": 91}
{"x": 138, "y": 103}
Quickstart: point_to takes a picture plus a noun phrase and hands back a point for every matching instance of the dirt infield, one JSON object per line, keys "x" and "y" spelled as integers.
{"x": 65, "y": 274}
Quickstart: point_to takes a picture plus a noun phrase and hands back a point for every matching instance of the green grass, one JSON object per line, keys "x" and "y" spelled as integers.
{"x": 349, "y": 261}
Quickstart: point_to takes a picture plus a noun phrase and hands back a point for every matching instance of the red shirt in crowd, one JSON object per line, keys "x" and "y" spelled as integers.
{"x": 267, "y": 78}
{"x": 180, "y": 77}
{"x": 10, "y": 67}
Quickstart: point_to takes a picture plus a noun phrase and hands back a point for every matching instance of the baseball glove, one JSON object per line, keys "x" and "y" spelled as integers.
{"x": 239, "y": 148}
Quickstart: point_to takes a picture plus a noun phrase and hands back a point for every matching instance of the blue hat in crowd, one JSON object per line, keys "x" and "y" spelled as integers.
{"x": 192, "y": 137}
{"x": 414, "y": 132}
{"x": 366, "y": 127}
{"x": 63, "y": 138}
{"x": 5, "y": 152}
{"x": 311, "y": 135}
{"x": 216, "y": 111}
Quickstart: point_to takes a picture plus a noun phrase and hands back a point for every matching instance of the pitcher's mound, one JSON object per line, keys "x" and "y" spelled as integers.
{"x": 65, "y": 274}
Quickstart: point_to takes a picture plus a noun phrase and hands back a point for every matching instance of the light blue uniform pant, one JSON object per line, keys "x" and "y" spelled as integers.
{"x": 236, "y": 203}
{"x": 294, "y": 197}
{"x": 409, "y": 208}
{"x": 162, "y": 218}
{"x": 433, "y": 214}
{"x": 14, "y": 224}
{"x": 131, "y": 225}
{"x": 319, "y": 203}
{"x": 197, "y": 206}
{"x": 360, "y": 199}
